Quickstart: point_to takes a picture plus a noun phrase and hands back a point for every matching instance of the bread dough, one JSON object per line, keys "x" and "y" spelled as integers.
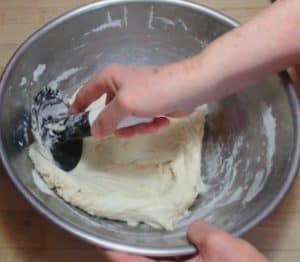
{"x": 152, "y": 179}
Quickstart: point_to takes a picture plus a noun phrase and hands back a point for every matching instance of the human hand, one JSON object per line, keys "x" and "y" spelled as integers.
{"x": 213, "y": 245}
{"x": 140, "y": 92}
{"x": 237, "y": 60}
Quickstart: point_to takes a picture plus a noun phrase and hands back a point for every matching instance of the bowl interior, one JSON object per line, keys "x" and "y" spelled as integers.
{"x": 249, "y": 138}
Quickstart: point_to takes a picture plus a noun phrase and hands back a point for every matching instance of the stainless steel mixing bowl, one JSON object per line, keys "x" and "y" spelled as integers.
{"x": 251, "y": 146}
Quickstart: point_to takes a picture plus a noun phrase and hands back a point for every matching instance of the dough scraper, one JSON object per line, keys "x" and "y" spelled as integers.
{"x": 62, "y": 134}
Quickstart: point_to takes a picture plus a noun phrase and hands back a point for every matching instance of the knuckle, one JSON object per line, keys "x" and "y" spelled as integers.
{"x": 113, "y": 76}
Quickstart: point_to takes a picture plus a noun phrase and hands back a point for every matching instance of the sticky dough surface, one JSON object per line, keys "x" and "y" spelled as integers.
{"x": 152, "y": 178}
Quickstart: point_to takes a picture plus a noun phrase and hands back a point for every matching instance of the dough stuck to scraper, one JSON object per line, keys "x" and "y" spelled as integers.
{"x": 152, "y": 179}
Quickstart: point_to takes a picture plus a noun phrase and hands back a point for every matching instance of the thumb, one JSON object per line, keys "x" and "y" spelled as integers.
{"x": 200, "y": 234}
{"x": 106, "y": 123}
{"x": 216, "y": 245}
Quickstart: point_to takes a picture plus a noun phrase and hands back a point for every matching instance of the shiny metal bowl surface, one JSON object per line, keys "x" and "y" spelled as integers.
{"x": 251, "y": 145}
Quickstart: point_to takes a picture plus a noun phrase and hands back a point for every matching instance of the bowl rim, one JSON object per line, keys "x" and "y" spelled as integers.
{"x": 89, "y": 237}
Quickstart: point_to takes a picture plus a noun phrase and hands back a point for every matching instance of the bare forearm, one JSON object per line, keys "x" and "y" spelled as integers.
{"x": 267, "y": 44}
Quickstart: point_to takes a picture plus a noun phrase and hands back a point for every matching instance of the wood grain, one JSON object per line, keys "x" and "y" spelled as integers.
{"x": 27, "y": 236}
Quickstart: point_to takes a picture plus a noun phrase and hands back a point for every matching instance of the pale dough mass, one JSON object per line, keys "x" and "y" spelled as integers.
{"x": 152, "y": 178}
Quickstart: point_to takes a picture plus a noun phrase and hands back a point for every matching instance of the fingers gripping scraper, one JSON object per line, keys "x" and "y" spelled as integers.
{"x": 62, "y": 134}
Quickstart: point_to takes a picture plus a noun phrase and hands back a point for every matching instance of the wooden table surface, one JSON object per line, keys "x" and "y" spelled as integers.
{"x": 26, "y": 236}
